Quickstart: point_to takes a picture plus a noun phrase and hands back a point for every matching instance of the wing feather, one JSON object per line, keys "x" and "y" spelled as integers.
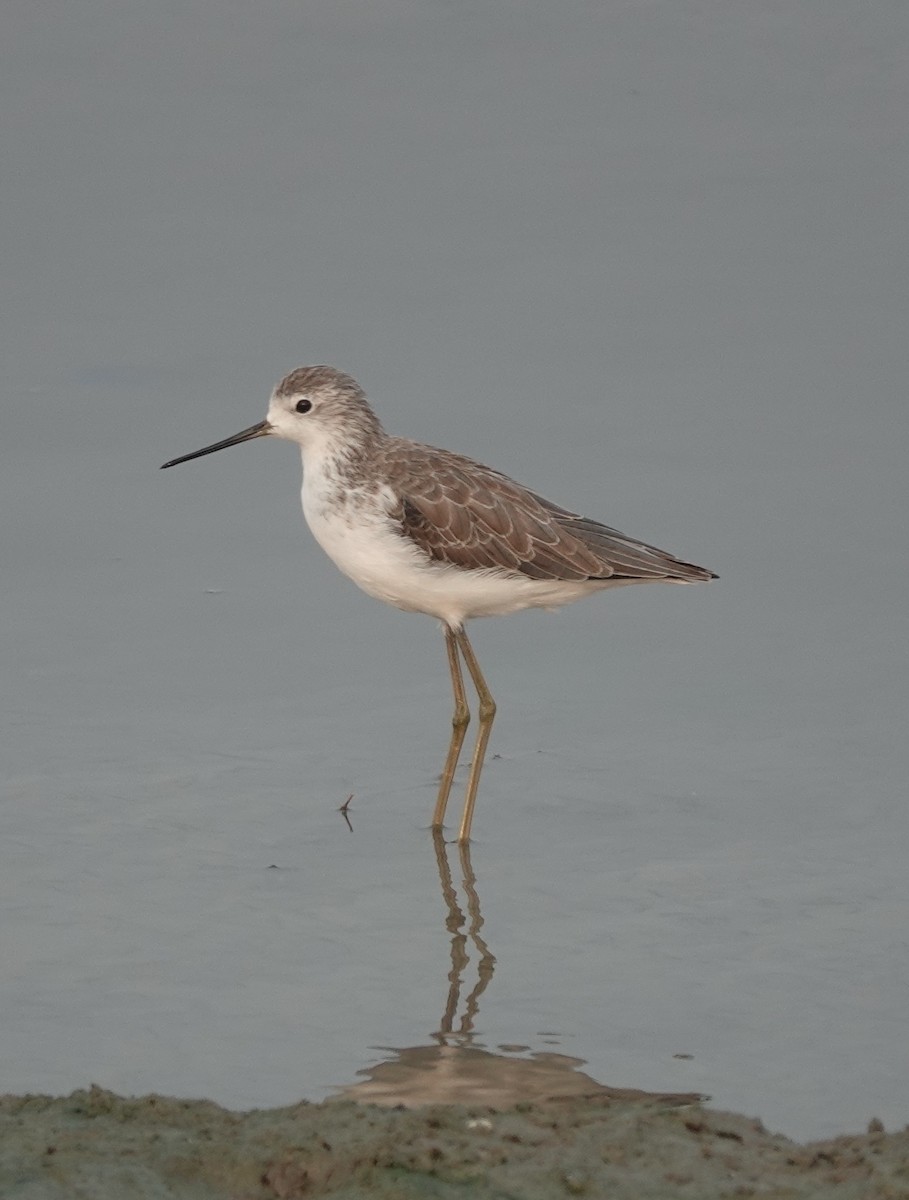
{"x": 461, "y": 512}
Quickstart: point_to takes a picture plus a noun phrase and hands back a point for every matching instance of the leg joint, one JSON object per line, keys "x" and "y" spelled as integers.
{"x": 461, "y": 716}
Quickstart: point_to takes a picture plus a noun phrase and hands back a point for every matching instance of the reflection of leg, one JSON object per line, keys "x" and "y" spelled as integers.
{"x": 487, "y": 962}
{"x": 487, "y": 716}
{"x": 459, "y": 722}
{"x": 454, "y": 923}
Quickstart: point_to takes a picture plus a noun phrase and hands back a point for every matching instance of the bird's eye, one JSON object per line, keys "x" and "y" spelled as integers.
{"x": 303, "y": 406}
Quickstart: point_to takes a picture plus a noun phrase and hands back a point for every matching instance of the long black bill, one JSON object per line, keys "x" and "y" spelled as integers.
{"x": 263, "y": 429}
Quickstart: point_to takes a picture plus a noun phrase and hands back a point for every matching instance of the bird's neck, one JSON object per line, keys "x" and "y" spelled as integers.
{"x": 342, "y": 458}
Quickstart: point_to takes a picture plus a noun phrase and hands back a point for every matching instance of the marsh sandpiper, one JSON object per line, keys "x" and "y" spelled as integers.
{"x": 432, "y": 532}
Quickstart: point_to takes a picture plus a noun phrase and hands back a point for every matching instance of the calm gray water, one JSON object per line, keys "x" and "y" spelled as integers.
{"x": 648, "y": 258}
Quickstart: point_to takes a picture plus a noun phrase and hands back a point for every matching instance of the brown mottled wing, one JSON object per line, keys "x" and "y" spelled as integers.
{"x": 463, "y": 513}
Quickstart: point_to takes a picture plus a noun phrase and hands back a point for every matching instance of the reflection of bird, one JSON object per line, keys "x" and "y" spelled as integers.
{"x": 455, "y": 1074}
{"x": 432, "y": 532}
{"x": 456, "y": 1069}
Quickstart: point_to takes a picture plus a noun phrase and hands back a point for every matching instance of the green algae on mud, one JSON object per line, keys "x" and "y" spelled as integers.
{"x": 98, "y": 1145}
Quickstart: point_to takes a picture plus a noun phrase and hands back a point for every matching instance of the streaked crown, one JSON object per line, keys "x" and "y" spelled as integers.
{"x": 322, "y": 380}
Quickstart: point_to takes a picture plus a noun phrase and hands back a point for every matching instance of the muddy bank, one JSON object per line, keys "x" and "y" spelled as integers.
{"x": 98, "y": 1145}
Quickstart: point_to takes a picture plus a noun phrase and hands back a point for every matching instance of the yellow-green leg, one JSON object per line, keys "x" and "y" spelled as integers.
{"x": 487, "y": 716}
{"x": 459, "y": 722}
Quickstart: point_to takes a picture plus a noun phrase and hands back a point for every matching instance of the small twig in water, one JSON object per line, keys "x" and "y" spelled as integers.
{"x": 343, "y": 811}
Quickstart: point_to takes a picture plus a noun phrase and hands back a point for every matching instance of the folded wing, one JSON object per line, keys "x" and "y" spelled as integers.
{"x": 473, "y": 517}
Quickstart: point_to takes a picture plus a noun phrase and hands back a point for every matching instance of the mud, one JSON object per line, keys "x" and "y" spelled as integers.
{"x": 623, "y": 1145}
